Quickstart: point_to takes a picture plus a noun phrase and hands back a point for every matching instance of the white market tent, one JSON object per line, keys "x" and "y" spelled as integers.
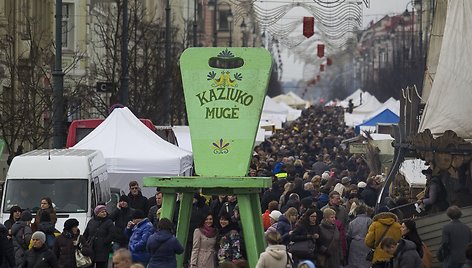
{"x": 132, "y": 151}
{"x": 356, "y": 97}
{"x": 449, "y": 104}
{"x": 182, "y": 133}
{"x": 292, "y": 100}
{"x": 369, "y": 105}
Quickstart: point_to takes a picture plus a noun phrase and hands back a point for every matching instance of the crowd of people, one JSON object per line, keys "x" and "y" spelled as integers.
{"x": 319, "y": 212}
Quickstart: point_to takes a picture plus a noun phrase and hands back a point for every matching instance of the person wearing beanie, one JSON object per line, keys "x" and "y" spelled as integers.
{"x": 100, "y": 232}
{"x": 66, "y": 243}
{"x": 273, "y": 218}
{"x": 21, "y": 233}
{"x": 40, "y": 255}
{"x": 139, "y": 229}
{"x": 120, "y": 218}
{"x": 273, "y": 205}
{"x": 15, "y": 215}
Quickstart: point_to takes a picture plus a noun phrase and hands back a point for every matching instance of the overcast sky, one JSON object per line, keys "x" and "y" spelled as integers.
{"x": 378, "y": 8}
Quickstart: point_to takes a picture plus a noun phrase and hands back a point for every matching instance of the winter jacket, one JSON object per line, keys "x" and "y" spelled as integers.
{"x": 163, "y": 246}
{"x": 138, "y": 237}
{"x": 406, "y": 255}
{"x": 121, "y": 217}
{"x": 99, "y": 234}
{"x": 138, "y": 202}
{"x": 357, "y": 248}
{"x": 455, "y": 238}
{"x": 329, "y": 244}
{"x": 7, "y": 254}
{"x": 266, "y": 220}
{"x": 41, "y": 257}
{"x": 229, "y": 244}
{"x": 341, "y": 213}
{"x": 284, "y": 227}
{"x": 21, "y": 236}
{"x": 152, "y": 214}
{"x": 203, "y": 250}
{"x": 47, "y": 227}
{"x": 64, "y": 249}
{"x": 369, "y": 195}
{"x": 275, "y": 256}
{"x": 382, "y": 221}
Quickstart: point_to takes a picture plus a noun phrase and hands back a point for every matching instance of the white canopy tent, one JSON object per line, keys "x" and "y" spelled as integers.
{"x": 132, "y": 151}
{"x": 182, "y": 133}
{"x": 292, "y": 100}
{"x": 448, "y": 106}
{"x": 411, "y": 169}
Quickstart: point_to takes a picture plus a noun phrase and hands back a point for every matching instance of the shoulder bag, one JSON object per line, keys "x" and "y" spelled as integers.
{"x": 80, "y": 259}
{"x": 370, "y": 255}
{"x": 304, "y": 249}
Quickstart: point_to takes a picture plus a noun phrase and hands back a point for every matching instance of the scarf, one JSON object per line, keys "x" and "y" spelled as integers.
{"x": 208, "y": 231}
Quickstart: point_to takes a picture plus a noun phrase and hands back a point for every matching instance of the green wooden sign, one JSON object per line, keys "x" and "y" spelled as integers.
{"x": 224, "y": 93}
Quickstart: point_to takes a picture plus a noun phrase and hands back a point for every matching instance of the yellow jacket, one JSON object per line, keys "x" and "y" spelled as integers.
{"x": 377, "y": 228}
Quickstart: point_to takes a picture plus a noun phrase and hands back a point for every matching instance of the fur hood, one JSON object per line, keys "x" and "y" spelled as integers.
{"x": 386, "y": 217}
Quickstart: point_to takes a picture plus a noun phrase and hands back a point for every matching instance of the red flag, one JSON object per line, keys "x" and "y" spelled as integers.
{"x": 320, "y": 51}
{"x": 308, "y": 26}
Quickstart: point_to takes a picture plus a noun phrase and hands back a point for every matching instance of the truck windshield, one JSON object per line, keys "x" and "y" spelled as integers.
{"x": 67, "y": 195}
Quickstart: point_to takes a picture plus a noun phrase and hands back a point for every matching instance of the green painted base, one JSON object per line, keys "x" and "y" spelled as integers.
{"x": 246, "y": 188}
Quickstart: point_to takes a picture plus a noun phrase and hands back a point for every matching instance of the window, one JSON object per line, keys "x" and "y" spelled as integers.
{"x": 67, "y": 26}
{"x": 68, "y": 195}
{"x": 223, "y": 19}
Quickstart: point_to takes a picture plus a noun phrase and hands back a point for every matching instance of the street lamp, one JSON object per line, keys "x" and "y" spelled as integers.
{"x": 243, "y": 27}
{"x": 195, "y": 11}
{"x": 230, "y": 23}
{"x": 212, "y": 6}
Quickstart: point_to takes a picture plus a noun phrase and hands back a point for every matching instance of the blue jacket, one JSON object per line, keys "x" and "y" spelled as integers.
{"x": 163, "y": 246}
{"x": 137, "y": 242}
{"x": 284, "y": 227}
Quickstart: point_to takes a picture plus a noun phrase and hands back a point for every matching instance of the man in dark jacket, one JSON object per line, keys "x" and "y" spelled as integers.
{"x": 136, "y": 198}
{"x": 40, "y": 256}
{"x": 152, "y": 215}
{"x": 404, "y": 253}
{"x": 7, "y": 255}
{"x": 369, "y": 194}
{"x": 121, "y": 217}
{"x": 455, "y": 237}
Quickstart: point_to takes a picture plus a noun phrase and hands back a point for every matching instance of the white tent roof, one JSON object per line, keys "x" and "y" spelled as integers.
{"x": 391, "y": 104}
{"x": 291, "y": 99}
{"x": 293, "y": 114}
{"x": 132, "y": 151}
{"x": 356, "y": 98}
{"x": 182, "y": 133}
{"x": 271, "y": 106}
{"x": 370, "y": 105}
{"x": 449, "y": 103}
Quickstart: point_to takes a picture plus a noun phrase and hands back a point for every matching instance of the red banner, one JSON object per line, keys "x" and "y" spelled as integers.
{"x": 308, "y": 26}
{"x": 321, "y": 67}
{"x": 320, "y": 51}
{"x": 318, "y": 78}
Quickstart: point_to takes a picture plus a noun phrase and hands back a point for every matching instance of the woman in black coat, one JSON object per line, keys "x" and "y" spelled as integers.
{"x": 99, "y": 234}
{"x": 306, "y": 229}
{"x": 66, "y": 244}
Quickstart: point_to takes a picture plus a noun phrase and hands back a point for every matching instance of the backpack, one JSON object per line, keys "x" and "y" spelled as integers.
{"x": 20, "y": 237}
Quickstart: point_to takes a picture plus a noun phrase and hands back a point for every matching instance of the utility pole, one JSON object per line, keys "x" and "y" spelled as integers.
{"x": 124, "y": 87}
{"x": 58, "y": 111}
{"x": 195, "y": 10}
{"x": 167, "y": 86}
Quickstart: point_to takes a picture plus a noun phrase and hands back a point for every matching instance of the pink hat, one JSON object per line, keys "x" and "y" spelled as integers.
{"x": 99, "y": 209}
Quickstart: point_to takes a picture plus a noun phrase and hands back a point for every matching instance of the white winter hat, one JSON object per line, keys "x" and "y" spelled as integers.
{"x": 361, "y": 184}
{"x": 275, "y": 214}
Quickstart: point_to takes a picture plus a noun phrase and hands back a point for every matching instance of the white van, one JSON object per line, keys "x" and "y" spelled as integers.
{"x": 75, "y": 180}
